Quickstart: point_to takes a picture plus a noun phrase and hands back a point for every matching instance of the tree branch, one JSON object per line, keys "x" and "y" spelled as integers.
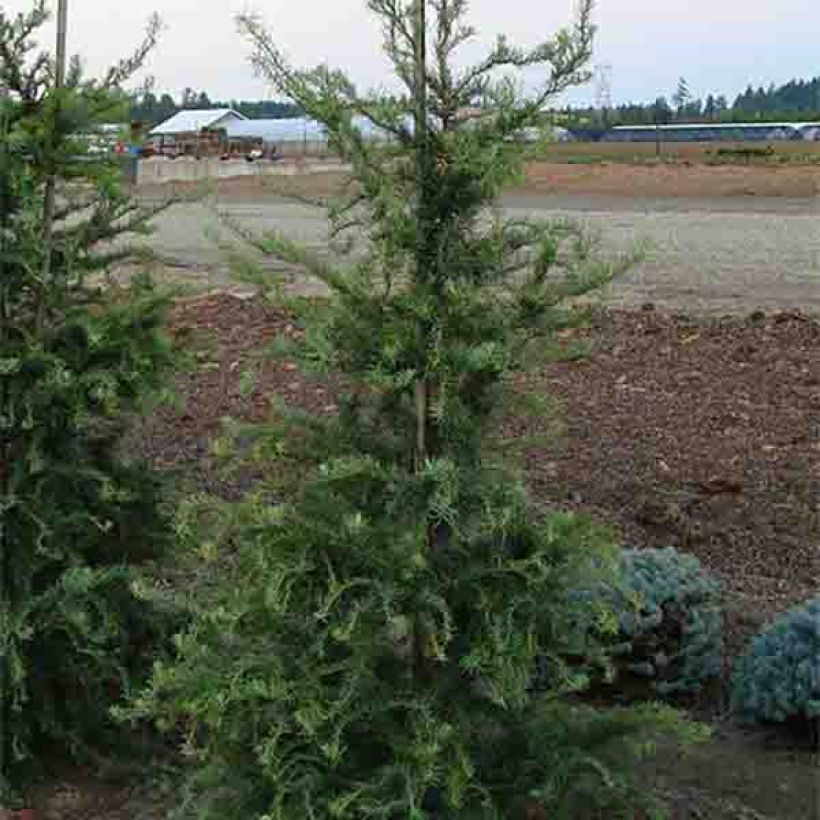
{"x": 126, "y": 68}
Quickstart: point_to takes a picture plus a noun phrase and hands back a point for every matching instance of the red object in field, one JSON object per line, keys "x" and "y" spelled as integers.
{"x": 18, "y": 814}
{"x": 120, "y": 149}
{"x": 27, "y": 814}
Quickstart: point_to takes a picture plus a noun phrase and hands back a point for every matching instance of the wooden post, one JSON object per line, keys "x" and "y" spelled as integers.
{"x": 62, "y": 41}
{"x": 422, "y": 396}
{"x": 51, "y": 181}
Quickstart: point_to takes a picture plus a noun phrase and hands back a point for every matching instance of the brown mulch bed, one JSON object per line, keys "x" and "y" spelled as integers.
{"x": 226, "y": 337}
{"x": 702, "y": 434}
{"x": 693, "y": 433}
{"x": 80, "y": 795}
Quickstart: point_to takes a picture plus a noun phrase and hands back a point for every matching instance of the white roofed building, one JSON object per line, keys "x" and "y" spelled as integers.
{"x": 194, "y": 121}
{"x": 193, "y": 132}
{"x": 714, "y": 132}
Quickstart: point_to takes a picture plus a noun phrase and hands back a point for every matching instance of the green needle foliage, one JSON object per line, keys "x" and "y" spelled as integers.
{"x": 75, "y": 358}
{"x": 368, "y": 648}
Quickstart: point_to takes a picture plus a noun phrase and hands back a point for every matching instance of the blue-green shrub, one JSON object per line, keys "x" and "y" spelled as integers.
{"x": 779, "y": 676}
{"x": 671, "y": 621}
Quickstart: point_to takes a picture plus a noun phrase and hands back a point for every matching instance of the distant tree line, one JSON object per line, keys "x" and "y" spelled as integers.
{"x": 796, "y": 100}
{"x": 152, "y": 109}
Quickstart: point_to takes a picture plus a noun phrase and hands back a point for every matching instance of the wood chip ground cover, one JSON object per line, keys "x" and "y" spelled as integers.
{"x": 694, "y": 433}
{"x": 703, "y": 434}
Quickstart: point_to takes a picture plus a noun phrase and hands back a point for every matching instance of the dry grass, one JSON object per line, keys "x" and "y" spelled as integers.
{"x": 663, "y": 180}
{"x": 702, "y": 152}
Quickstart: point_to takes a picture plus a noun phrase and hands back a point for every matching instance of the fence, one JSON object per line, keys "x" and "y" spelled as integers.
{"x": 188, "y": 169}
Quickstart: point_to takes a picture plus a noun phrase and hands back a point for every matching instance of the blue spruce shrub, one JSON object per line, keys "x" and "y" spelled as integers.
{"x": 778, "y": 678}
{"x": 671, "y": 621}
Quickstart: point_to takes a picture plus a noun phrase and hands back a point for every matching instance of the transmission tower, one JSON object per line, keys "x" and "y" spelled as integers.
{"x": 603, "y": 90}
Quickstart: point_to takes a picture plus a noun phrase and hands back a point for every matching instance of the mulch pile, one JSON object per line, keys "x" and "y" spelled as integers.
{"x": 702, "y": 434}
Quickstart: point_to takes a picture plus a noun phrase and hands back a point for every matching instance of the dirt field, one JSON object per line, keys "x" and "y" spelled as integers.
{"x": 599, "y": 170}
{"x": 680, "y": 179}
{"x": 728, "y": 151}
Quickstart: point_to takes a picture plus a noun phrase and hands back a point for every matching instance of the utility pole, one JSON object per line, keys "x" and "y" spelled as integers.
{"x": 420, "y": 42}
{"x": 62, "y": 40}
{"x": 422, "y": 182}
{"x": 51, "y": 181}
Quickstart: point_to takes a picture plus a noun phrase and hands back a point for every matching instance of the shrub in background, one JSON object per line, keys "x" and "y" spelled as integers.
{"x": 778, "y": 678}
{"x": 75, "y": 517}
{"x": 671, "y": 621}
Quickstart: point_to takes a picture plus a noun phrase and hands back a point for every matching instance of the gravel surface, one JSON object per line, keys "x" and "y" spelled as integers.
{"x": 727, "y": 255}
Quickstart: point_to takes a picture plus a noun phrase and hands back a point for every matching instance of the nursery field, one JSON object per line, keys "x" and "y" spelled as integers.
{"x": 450, "y": 475}
{"x": 678, "y": 431}
{"x": 760, "y": 153}
{"x": 574, "y": 169}
{"x": 691, "y": 421}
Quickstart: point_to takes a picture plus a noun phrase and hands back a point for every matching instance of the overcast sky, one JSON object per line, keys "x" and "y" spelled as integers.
{"x": 718, "y": 45}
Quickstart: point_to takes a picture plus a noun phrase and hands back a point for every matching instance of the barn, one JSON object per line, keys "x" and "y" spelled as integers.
{"x": 297, "y": 136}
{"x": 193, "y": 132}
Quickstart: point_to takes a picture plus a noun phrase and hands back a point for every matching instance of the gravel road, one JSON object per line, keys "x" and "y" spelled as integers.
{"x": 704, "y": 255}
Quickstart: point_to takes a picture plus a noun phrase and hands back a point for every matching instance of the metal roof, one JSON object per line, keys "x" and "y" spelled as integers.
{"x": 279, "y": 130}
{"x": 193, "y": 121}
{"x": 683, "y": 126}
{"x": 294, "y": 129}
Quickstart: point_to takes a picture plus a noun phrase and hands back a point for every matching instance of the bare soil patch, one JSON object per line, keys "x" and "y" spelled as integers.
{"x": 609, "y": 177}
{"x": 672, "y": 180}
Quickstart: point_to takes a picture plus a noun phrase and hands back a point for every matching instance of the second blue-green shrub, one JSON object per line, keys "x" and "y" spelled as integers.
{"x": 778, "y": 678}
{"x": 671, "y": 621}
